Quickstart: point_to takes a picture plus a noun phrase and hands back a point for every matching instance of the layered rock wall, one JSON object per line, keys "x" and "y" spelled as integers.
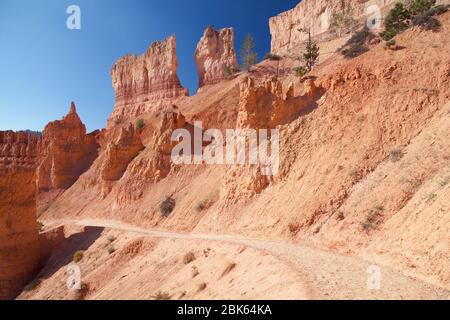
{"x": 215, "y": 51}
{"x": 19, "y": 245}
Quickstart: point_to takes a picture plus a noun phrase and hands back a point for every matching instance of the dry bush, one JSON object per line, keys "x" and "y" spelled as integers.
{"x": 189, "y": 257}
{"x": 228, "y": 269}
{"x": 78, "y": 256}
{"x": 161, "y": 295}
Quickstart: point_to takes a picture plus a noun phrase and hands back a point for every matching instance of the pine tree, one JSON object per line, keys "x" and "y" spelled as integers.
{"x": 248, "y": 54}
{"x": 396, "y": 21}
{"x": 311, "y": 53}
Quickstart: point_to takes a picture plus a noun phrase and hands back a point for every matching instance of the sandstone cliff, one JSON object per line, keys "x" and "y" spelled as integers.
{"x": 66, "y": 151}
{"x": 19, "y": 246}
{"x": 146, "y": 82}
{"x": 314, "y": 14}
{"x": 214, "y": 52}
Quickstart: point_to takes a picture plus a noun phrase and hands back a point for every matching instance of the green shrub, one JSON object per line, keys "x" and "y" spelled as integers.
{"x": 78, "y": 256}
{"x": 272, "y": 57}
{"x": 419, "y": 7}
{"x": 32, "y": 285}
{"x": 300, "y": 71}
{"x": 396, "y": 22}
{"x": 167, "y": 206}
{"x": 140, "y": 124}
{"x": 228, "y": 71}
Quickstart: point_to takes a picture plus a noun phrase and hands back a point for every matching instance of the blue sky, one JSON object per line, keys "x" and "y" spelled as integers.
{"x": 44, "y": 66}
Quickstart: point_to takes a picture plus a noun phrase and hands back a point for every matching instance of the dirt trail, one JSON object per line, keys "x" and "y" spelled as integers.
{"x": 327, "y": 275}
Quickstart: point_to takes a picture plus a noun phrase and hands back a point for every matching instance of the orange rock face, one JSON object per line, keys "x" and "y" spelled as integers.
{"x": 214, "y": 52}
{"x": 146, "y": 82}
{"x": 19, "y": 245}
{"x": 66, "y": 151}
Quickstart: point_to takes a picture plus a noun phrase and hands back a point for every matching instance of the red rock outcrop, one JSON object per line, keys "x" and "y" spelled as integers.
{"x": 19, "y": 244}
{"x": 118, "y": 156}
{"x": 154, "y": 164}
{"x": 146, "y": 82}
{"x": 265, "y": 105}
{"x": 214, "y": 52}
{"x": 66, "y": 151}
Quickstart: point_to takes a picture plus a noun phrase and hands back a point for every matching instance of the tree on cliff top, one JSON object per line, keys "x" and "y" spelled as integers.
{"x": 248, "y": 54}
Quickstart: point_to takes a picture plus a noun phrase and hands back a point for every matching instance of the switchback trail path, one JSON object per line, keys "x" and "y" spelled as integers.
{"x": 327, "y": 275}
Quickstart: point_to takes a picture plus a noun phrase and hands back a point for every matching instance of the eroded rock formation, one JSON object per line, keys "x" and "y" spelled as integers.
{"x": 264, "y": 106}
{"x": 146, "y": 82}
{"x": 66, "y": 151}
{"x": 119, "y": 155}
{"x": 19, "y": 245}
{"x": 214, "y": 52}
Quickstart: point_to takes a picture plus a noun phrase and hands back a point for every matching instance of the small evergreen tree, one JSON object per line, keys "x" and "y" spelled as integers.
{"x": 421, "y": 6}
{"x": 396, "y": 21}
{"x": 311, "y": 53}
{"x": 248, "y": 54}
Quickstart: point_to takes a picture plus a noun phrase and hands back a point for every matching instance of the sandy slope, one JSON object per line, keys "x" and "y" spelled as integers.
{"x": 317, "y": 274}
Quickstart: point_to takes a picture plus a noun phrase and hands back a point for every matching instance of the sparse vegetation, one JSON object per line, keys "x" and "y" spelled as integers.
{"x": 373, "y": 218}
{"x": 294, "y": 228}
{"x": 248, "y": 54}
{"x": 140, "y": 124}
{"x": 300, "y": 71}
{"x": 204, "y": 205}
{"x": 340, "y": 216}
{"x": 78, "y": 256}
{"x": 81, "y": 293}
{"x": 160, "y": 295}
{"x": 32, "y": 285}
{"x": 111, "y": 249}
{"x": 344, "y": 20}
{"x": 396, "y": 155}
{"x": 272, "y": 57}
{"x": 430, "y": 197}
{"x": 167, "y": 206}
{"x": 415, "y": 13}
{"x": 39, "y": 226}
{"x": 189, "y": 257}
{"x": 228, "y": 71}
{"x": 112, "y": 239}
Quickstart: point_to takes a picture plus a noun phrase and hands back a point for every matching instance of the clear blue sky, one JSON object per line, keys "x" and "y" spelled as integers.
{"x": 43, "y": 65}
